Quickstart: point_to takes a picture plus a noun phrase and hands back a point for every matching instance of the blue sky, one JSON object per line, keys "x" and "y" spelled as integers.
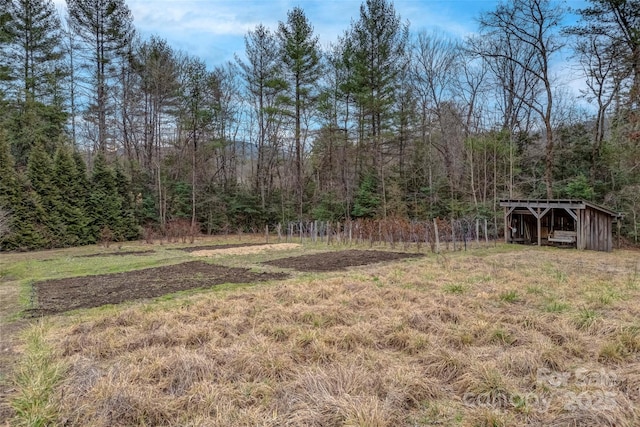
{"x": 214, "y": 30}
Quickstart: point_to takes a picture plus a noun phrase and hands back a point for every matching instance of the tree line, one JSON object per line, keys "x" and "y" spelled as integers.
{"x": 104, "y": 133}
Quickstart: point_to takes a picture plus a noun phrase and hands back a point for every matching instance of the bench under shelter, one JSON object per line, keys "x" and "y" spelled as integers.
{"x": 572, "y": 223}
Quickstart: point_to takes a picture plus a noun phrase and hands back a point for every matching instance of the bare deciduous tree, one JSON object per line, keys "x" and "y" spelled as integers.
{"x": 604, "y": 76}
{"x": 436, "y": 68}
{"x": 531, "y": 26}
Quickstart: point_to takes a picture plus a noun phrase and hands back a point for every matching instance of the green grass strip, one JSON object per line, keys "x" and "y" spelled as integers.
{"x": 35, "y": 378}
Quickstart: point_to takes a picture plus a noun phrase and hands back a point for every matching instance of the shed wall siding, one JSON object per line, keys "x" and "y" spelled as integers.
{"x": 595, "y": 231}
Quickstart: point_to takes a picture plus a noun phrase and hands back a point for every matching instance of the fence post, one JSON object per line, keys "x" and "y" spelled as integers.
{"x": 453, "y": 233}
{"x": 266, "y": 233}
{"x": 412, "y": 233}
{"x": 486, "y": 234}
{"x": 478, "y": 232}
{"x": 427, "y": 241}
{"x": 495, "y": 225}
{"x": 315, "y": 231}
{"x": 435, "y": 228}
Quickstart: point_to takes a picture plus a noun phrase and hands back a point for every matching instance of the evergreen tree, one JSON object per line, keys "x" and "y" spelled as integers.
{"x": 40, "y": 173}
{"x": 579, "y": 188}
{"x": 106, "y": 27}
{"x": 301, "y": 57}
{"x": 378, "y": 54}
{"x": 80, "y": 181}
{"x": 5, "y": 38}
{"x": 33, "y": 54}
{"x": 8, "y": 175}
{"x": 367, "y": 201}
{"x": 104, "y": 205}
{"x": 82, "y": 189}
{"x": 128, "y": 226}
{"x": 5, "y": 223}
{"x": 21, "y": 203}
{"x": 71, "y": 207}
{"x": 31, "y": 123}
{"x": 35, "y": 49}
{"x": 379, "y": 43}
{"x": 9, "y": 190}
{"x": 196, "y": 115}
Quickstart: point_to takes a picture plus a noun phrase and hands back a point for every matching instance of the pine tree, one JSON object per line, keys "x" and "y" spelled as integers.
{"x": 35, "y": 46}
{"x": 128, "y": 226}
{"x": 40, "y": 173}
{"x": 378, "y": 54}
{"x": 104, "y": 205}
{"x": 8, "y": 175}
{"x": 5, "y": 38}
{"x": 71, "y": 204}
{"x": 110, "y": 205}
{"x": 81, "y": 190}
{"x": 21, "y": 203}
{"x": 195, "y": 115}
{"x": 379, "y": 43}
{"x": 35, "y": 73}
{"x": 81, "y": 181}
{"x": 9, "y": 191}
{"x": 367, "y": 201}
{"x": 106, "y": 27}
{"x": 301, "y": 57}
{"x": 31, "y": 123}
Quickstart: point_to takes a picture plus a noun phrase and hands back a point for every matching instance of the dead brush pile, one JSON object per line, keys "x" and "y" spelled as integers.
{"x": 530, "y": 337}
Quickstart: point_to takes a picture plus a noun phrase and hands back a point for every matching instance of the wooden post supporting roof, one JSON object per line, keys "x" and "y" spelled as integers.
{"x": 507, "y": 227}
{"x": 539, "y": 228}
{"x": 536, "y": 213}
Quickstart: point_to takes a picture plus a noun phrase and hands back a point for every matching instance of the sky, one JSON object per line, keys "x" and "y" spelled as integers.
{"x": 214, "y": 30}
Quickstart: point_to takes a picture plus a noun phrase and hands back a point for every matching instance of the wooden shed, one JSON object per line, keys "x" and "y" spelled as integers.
{"x": 576, "y": 223}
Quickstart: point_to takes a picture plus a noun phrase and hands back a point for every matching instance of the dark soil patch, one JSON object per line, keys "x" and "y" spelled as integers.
{"x": 56, "y": 296}
{"x": 339, "y": 260}
{"x": 123, "y": 253}
{"x": 215, "y": 247}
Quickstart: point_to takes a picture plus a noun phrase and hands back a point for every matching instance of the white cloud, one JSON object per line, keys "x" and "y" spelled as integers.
{"x": 214, "y": 17}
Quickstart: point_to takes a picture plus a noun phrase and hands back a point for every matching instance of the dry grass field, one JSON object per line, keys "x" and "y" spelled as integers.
{"x": 501, "y": 336}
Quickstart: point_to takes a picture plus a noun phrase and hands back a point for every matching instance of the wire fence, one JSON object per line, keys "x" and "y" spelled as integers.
{"x": 438, "y": 235}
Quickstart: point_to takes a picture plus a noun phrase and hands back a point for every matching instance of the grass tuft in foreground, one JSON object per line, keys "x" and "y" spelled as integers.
{"x": 35, "y": 379}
